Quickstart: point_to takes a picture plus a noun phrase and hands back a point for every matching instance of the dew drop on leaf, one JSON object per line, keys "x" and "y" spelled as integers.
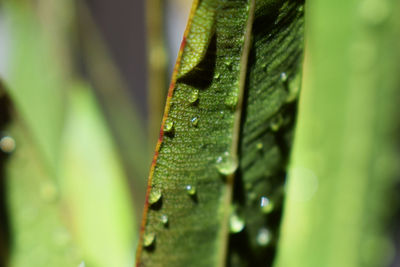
{"x": 194, "y": 121}
{"x": 227, "y": 164}
{"x": 164, "y": 219}
{"x": 190, "y": 190}
{"x": 263, "y": 237}
{"x": 168, "y": 126}
{"x": 155, "y": 196}
{"x": 7, "y": 144}
{"x": 283, "y": 77}
{"x": 266, "y": 205}
{"x": 236, "y": 223}
{"x": 148, "y": 239}
{"x": 276, "y": 123}
{"x": 194, "y": 96}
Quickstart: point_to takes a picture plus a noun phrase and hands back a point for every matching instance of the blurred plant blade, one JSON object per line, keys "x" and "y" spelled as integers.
{"x": 123, "y": 118}
{"x": 94, "y": 185}
{"x": 38, "y": 235}
{"x": 231, "y": 105}
{"x": 36, "y": 86}
{"x": 40, "y": 209}
{"x": 345, "y": 160}
{"x": 157, "y": 66}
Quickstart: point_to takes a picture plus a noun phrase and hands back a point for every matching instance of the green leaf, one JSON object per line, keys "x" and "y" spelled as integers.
{"x": 39, "y": 234}
{"x": 36, "y": 88}
{"x": 122, "y": 117}
{"x": 225, "y": 136}
{"x": 66, "y": 193}
{"x": 345, "y": 168}
{"x": 94, "y": 185}
{"x": 35, "y": 107}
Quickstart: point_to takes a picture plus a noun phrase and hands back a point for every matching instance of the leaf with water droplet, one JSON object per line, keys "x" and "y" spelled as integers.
{"x": 190, "y": 190}
{"x": 194, "y": 96}
{"x": 155, "y": 196}
{"x": 283, "y": 77}
{"x": 7, "y": 144}
{"x": 263, "y": 237}
{"x": 149, "y": 239}
{"x": 238, "y": 99}
{"x": 266, "y": 205}
{"x": 164, "y": 219}
{"x": 194, "y": 121}
{"x": 227, "y": 163}
{"x": 236, "y": 223}
{"x": 168, "y": 126}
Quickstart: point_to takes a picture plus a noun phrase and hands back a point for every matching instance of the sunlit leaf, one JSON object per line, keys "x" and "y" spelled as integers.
{"x": 94, "y": 185}
{"x": 344, "y": 172}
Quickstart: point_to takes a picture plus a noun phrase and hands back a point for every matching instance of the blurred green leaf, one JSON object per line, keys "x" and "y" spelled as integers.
{"x": 39, "y": 236}
{"x": 34, "y": 78}
{"x": 94, "y": 185}
{"x": 232, "y": 101}
{"x": 124, "y": 120}
{"x": 345, "y": 161}
{"x": 53, "y": 223}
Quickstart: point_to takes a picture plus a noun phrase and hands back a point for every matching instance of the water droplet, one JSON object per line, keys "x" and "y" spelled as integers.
{"x": 7, "y": 144}
{"x": 259, "y": 146}
{"x": 266, "y": 205}
{"x": 194, "y": 121}
{"x": 82, "y": 264}
{"x": 283, "y": 77}
{"x": 236, "y": 224}
{"x": 169, "y": 126}
{"x": 227, "y": 163}
{"x": 276, "y": 123}
{"x": 194, "y": 96}
{"x": 191, "y": 190}
{"x": 48, "y": 192}
{"x": 148, "y": 239}
{"x": 293, "y": 88}
{"x": 263, "y": 237}
{"x": 155, "y": 196}
{"x": 164, "y": 219}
